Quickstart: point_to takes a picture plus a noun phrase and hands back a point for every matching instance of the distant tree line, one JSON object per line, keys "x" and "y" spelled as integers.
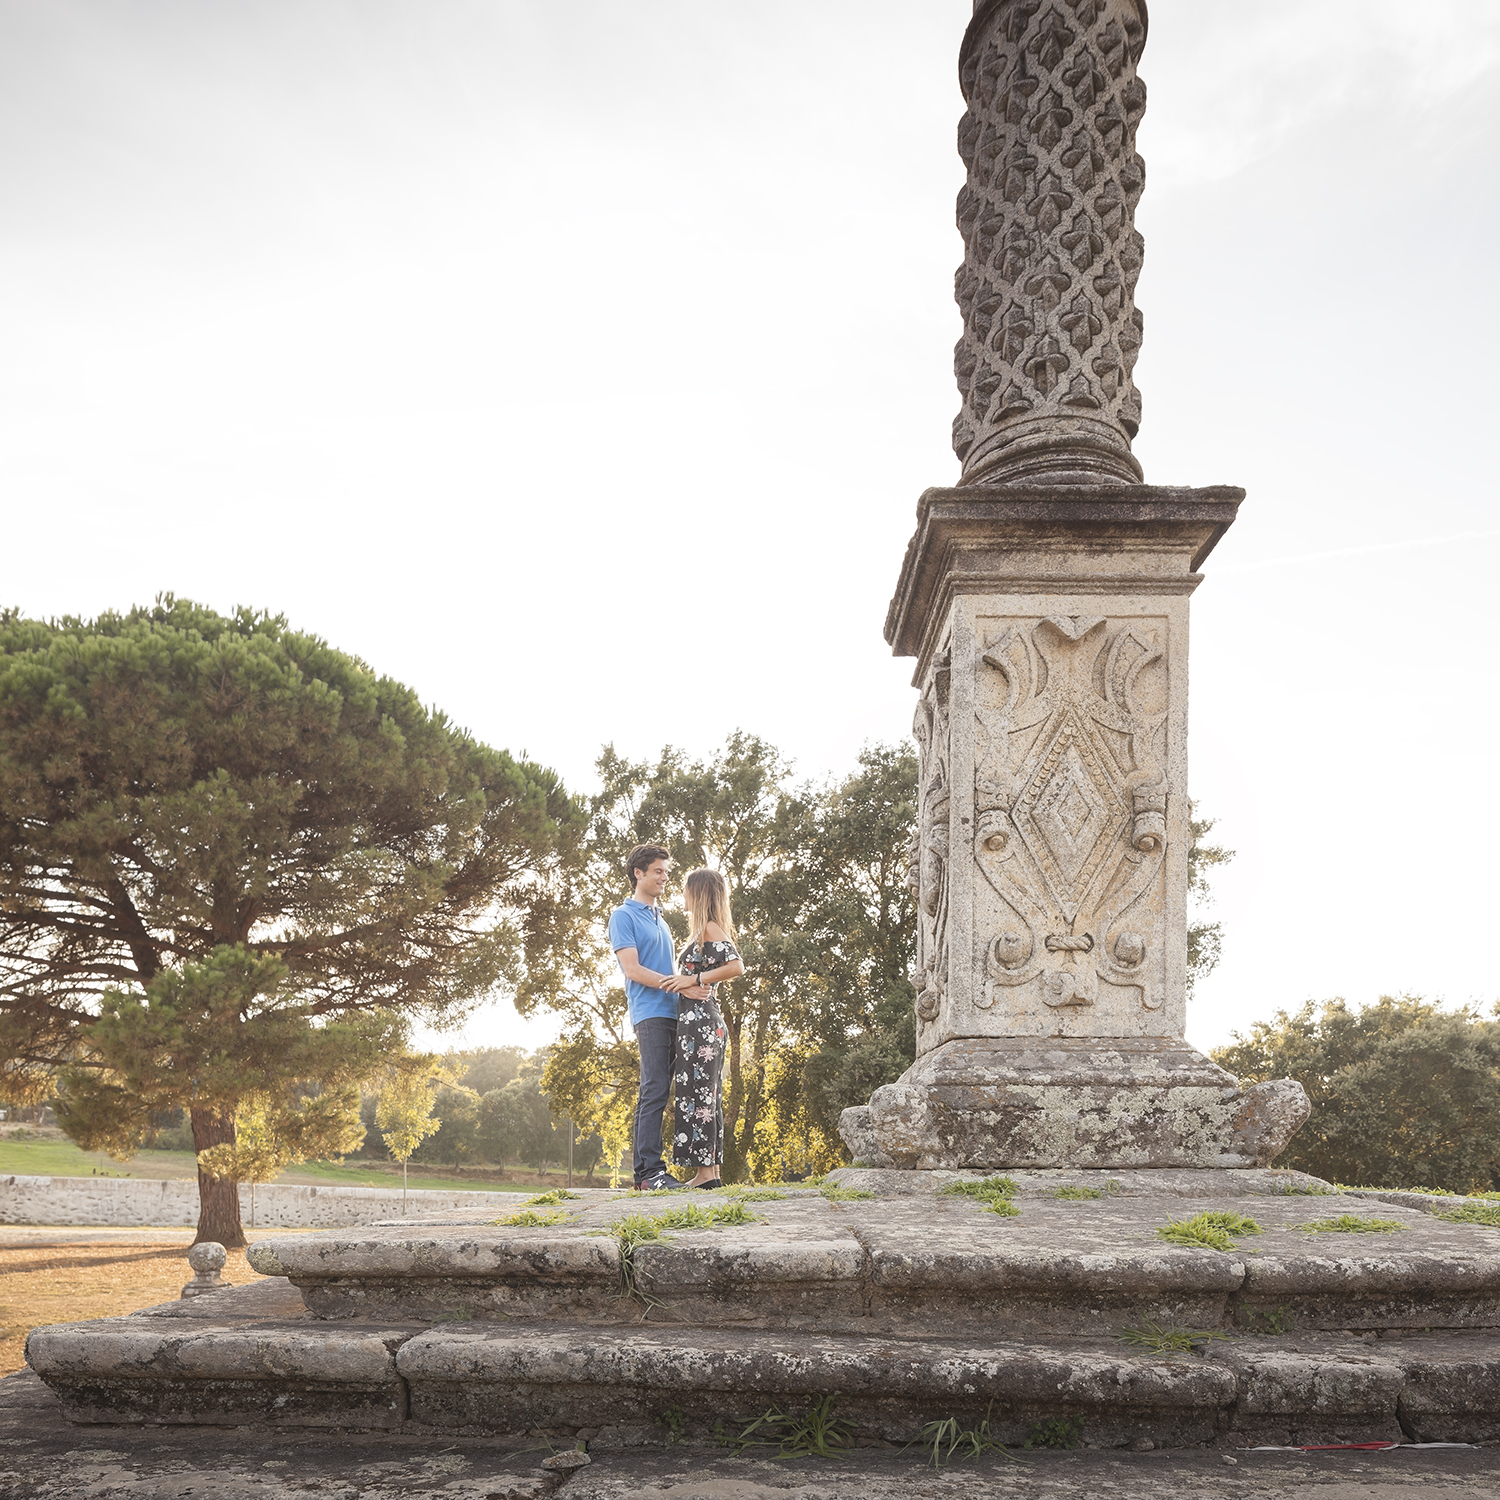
{"x": 1404, "y": 1093}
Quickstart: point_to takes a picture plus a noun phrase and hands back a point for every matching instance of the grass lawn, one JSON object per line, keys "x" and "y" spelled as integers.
{"x": 61, "y": 1158}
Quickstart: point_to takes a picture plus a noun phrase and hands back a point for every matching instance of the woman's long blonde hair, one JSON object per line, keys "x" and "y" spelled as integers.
{"x": 706, "y": 898}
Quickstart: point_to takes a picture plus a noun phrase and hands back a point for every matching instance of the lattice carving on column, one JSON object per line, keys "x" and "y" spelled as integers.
{"x": 1051, "y": 252}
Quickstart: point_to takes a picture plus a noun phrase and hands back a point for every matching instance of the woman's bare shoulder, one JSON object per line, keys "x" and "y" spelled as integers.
{"x": 713, "y": 933}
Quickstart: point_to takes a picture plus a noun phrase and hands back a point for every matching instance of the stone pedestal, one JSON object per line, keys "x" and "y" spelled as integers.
{"x": 1050, "y": 627}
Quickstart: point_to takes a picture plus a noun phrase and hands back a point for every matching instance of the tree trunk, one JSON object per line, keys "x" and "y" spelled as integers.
{"x": 218, "y": 1197}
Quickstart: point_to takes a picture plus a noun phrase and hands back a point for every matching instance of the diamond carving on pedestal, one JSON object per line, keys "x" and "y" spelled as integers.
{"x": 1072, "y": 810}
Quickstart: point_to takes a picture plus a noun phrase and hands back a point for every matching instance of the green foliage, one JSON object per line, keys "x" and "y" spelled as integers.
{"x": 675, "y": 1424}
{"x": 817, "y": 1433}
{"x": 1169, "y": 1340}
{"x": 1399, "y": 1089}
{"x": 1350, "y": 1224}
{"x": 404, "y": 1111}
{"x": 1072, "y": 1194}
{"x": 1470, "y": 1213}
{"x": 216, "y": 1037}
{"x": 529, "y": 1218}
{"x": 1289, "y": 1187}
{"x": 1060, "y": 1432}
{"x": 946, "y": 1439}
{"x": 1266, "y": 1320}
{"x": 556, "y": 1196}
{"x": 836, "y": 1194}
{"x": 1003, "y": 1207}
{"x": 701, "y": 1216}
{"x": 184, "y": 793}
{"x": 1204, "y": 939}
{"x": 632, "y": 1230}
{"x": 993, "y": 1193}
{"x": 1212, "y": 1230}
{"x": 456, "y": 1109}
{"x": 753, "y": 1195}
{"x": 517, "y": 1122}
{"x": 988, "y": 1187}
{"x": 818, "y": 880}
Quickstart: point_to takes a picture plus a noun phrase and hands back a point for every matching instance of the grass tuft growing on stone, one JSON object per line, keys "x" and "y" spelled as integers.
{"x": 754, "y": 1195}
{"x": 1211, "y": 1230}
{"x": 993, "y": 1194}
{"x": 1171, "y": 1340}
{"x": 1350, "y": 1224}
{"x": 1071, "y": 1194}
{"x": 946, "y": 1439}
{"x": 987, "y": 1187}
{"x": 1470, "y": 1213}
{"x": 1289, "y": 1187}
{"x": 630, "y": 1231}
{"x": 557, "y": 1195}
{"x": 1060, "y": 1432}
{"x": 816, "y": 1433}
{"x": 529, "y": 1218}
{"x": 835, "y": 1194}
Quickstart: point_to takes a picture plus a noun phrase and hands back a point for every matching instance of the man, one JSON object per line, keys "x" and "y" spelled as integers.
{"x": 642, "y": 944}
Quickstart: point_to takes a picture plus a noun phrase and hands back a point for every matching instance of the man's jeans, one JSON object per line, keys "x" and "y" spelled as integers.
{"x": 657, "y": 1037}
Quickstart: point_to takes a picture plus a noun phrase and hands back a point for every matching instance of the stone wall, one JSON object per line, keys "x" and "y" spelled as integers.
{"x": 125, "y": 1201}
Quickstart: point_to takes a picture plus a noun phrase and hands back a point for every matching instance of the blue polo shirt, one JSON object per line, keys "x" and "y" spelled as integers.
{"x": 636, "y": 925}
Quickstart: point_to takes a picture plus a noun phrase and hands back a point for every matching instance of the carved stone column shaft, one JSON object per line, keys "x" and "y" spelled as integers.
{"x": 1051, "y": 253}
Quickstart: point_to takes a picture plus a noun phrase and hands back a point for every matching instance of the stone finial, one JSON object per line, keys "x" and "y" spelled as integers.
{"x": 1051, "y": 253}
{"x": 207, "y": 1260}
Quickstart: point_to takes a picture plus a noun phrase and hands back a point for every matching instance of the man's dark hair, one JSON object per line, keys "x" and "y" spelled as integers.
{"x": 642, "y": 857}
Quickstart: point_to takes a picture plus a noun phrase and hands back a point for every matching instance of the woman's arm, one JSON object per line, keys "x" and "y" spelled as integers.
{"x": 713, "y": 933}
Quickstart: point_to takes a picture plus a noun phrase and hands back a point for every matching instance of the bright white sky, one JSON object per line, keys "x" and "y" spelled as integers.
{"x": 582, "y": 364}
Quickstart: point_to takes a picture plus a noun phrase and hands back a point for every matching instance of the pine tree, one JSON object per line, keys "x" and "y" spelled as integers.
{"x": 185, "y": 795}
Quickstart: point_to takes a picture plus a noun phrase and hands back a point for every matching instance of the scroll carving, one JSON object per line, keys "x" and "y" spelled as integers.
{"x": 1051, "y": 254}
{"x": 928, "y": 853}
{"x": 1071, "y": 800}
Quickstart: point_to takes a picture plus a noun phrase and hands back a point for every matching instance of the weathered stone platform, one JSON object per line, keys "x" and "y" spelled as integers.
{"x": 909, "y": 1307}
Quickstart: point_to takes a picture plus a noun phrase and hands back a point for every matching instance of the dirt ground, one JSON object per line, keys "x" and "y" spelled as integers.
{"x": 59, "y": 1275}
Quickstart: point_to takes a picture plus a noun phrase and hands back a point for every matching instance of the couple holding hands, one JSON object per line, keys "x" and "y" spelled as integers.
{"x": 676, "y": 1017}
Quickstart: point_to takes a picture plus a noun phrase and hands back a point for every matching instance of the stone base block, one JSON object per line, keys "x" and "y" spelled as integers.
{"x": 988, "y": 1103}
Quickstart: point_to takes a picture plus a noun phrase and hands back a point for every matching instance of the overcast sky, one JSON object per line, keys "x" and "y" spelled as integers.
{"x": 577, "y": 363}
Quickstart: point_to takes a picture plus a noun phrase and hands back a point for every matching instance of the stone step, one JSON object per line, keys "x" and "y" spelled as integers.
{"x": 253, "y": 1356}
{"x": 919, "y": 1262}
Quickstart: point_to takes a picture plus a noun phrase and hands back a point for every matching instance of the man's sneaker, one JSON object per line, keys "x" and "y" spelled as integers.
{"x": 660, "y": 1182}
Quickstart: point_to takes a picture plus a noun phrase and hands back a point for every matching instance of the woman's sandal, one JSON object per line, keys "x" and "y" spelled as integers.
{"x": 714, "y": 1182}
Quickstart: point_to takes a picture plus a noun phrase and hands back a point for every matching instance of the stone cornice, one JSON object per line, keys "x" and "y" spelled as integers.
{"x": 983, "y": 540}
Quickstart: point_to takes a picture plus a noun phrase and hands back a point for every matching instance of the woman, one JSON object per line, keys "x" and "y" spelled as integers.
{"x": 708, "y": 958}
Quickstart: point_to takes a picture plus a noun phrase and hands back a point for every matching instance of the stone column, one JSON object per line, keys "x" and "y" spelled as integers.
{"x": 1051, "y": 252}
{"x": 1046, "y": 602}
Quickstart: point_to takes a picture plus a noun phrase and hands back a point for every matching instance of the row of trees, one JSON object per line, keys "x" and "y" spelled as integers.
{"x": 818, "y": 874}
{"x": 1404, "y": 1093}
